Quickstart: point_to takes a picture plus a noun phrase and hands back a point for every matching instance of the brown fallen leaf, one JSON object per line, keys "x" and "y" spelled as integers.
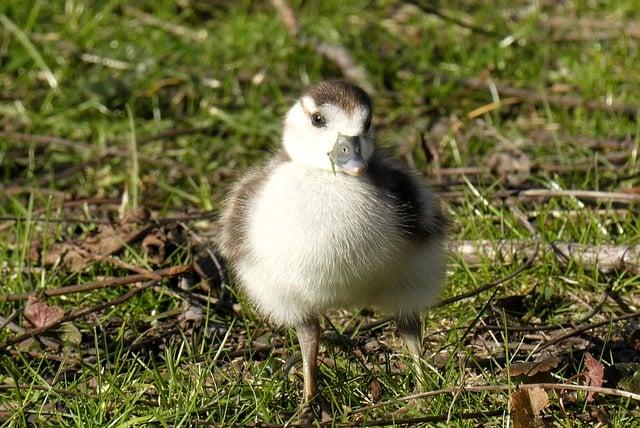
{"x": 38, "y": 314}
{"x": 154, "y": 246}
{"x": 375, "y": 390}
{"x": 594, "y": 375}
{"x": 111, "y": 239}
{"x": 629, "y": 377}
{"x": 633, "y": 337}
{"x": 372, "y": 346}
{"x": 600, "y": 415}
{"x": 511, "y": 166}
{"x": 526, "y": 405}
{"x": 107, "y": 239}
{"x": 533, "y": 367}
{"x": 69, "y": 334}
{"x": 75, "y": 260}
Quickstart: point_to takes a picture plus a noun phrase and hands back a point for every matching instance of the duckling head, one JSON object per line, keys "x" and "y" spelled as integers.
{"x": 329, "y": 128}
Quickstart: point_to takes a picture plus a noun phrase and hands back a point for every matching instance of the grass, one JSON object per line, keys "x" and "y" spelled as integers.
{"x": 93, "y": 73}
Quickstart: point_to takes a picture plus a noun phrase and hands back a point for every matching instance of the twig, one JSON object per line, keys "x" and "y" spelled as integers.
{"x": 604, "y": 143}
{"x": 53, "y": 220}
{"x": 582, "y": 329}
{"x": 537, "y": 97}
{"x": 496, "y": 388}
{"x": 378, "y": 422}
{"x": 333, "y": 52}
{"x": 58, "y": 141}
{"x": 59, "y": 204}
{"x": 8, "y": 323}
{"x": 23, "y": 39}
{"x": 114, "y": 261}
{"x": 16, "y": 190}
{"x": 581, "y": 194}
{"x": 203, "y": 215}
{"x": 74, "y": 315}
{"x": 214, "y": 258}
{"x": 524, "y": 329}
{"x": 105, "y": 61}
{"x": 531, "y": 258}
{"x": 574, "y": 214}
{"x": 522, "y": 218}
{"x": 615, "y": 158}
{"x": 41, "y": 388}
{"x": 534, "y": 194}
{"x": 178, "y": 30}
{"x": 446, "y": 417}
{"x": 95, "y": 285}
{"x": 590, "y": 29}
{"x": 9, "y": 219}
{"x": 4, "y": 322}
{"x": 68, "y": 48}
{"x": 597, "y": 307}
{"x": 67, "y": 172}
{"x": 605, "y": 258}
{"x": 431, "y": 9}
{"x": 287, "y": 16}
{"x": 52, "y": 140}
{"x": 171, "y": 134}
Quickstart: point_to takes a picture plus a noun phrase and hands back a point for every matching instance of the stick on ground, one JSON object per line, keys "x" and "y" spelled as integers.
{"x": 337, "y": 54}
{"x": 604, "y": 258}
{"x": 74, "y": 315}
{"x": 498, "y": 388}
{"x": 95, "y": 285}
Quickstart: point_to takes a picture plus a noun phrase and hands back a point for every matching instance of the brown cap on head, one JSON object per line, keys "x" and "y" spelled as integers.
{"x": 343, "y": 94}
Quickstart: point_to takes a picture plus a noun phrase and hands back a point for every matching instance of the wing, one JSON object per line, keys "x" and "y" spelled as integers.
{"x": 416, "y": 204}
{"x": 232, "y": 240}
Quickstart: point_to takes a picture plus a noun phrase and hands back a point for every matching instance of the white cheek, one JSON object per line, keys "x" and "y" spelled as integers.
{"x": 326, "y": 140}
{"x": 309, "y": 146}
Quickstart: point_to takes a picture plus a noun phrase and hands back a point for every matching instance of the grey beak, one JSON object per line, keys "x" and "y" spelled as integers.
{"x": 346, "y": 155}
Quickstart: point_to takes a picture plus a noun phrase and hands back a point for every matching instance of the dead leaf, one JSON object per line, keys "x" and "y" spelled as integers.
{"x": 634, "y": 339}
{"x": 190, "y": 314}
{"x": 38, "y": 314}
{"x": 526, "y": 405}
{"x": 111, "y": 239}
{"x": 594, "y": 375}
{"x": 630, "y": 378}
{"x": 75, "y": 260}
{"x": 560, "y": 88}
{"x": 34, "y": 251}
{"x": 153, "y": 246}
{"x": 534, "y": 367}
{"x": 375, "y": 390}
{"x": 29, "y": 345}
{"x": 105, "y": 241}
{"x": 372, "y": 346}
{"x": 137, "y": 215}
{"x": 69, "y": 333}
{"x": 511, "y": 166}
{"x": 600, "y": 415}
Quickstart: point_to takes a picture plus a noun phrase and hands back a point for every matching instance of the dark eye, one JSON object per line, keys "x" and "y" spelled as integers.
{"x": 317, "y": 120}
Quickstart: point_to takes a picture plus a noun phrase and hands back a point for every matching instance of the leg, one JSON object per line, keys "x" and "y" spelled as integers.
{"x": 309, "y": 337}
{"x": 410, "y": 329}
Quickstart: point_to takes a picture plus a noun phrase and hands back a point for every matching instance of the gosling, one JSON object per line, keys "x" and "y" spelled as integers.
{"x": 332, "y": 221}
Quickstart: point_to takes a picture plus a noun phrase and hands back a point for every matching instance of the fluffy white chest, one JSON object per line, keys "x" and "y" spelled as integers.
{"x": 319, "y": 238}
